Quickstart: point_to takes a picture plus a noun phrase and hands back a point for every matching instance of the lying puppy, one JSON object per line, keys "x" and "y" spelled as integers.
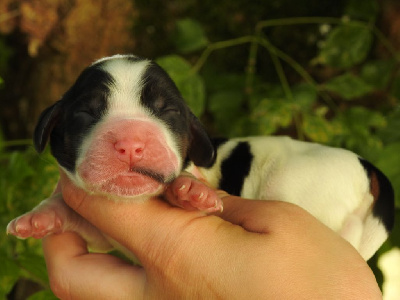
{"x": 123, "y": 130}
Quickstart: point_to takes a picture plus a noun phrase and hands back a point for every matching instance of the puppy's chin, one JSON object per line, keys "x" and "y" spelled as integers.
{"x": 131, "y": 185}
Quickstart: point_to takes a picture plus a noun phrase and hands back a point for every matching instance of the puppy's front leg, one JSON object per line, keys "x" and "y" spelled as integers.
{"x": 53, "y": 215}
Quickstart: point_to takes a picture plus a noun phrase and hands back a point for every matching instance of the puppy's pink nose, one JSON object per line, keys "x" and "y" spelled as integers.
{"x": 129, "y": 151}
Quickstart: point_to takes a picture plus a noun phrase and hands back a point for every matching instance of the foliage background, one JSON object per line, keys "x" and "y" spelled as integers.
{"x": 322, "y": 71}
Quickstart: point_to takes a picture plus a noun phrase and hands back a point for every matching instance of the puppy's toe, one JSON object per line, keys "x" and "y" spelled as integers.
{"x": 21, "y": 227}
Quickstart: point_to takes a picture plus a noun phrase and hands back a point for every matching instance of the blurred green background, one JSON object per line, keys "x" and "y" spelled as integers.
{"x": 318, "y": 70}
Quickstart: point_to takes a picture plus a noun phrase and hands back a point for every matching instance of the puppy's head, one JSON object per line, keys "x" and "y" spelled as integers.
{"x": 123, "y": 128}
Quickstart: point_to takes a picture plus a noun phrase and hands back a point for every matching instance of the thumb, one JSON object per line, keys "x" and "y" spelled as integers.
{"x": 137, "y": 225}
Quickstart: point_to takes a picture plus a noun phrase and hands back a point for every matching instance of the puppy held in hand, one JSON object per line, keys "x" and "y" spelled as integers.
{"x": 123, "y": 130}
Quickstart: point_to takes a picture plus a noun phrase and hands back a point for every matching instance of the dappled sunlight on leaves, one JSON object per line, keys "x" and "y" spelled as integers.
{"x": 346, "y": 46}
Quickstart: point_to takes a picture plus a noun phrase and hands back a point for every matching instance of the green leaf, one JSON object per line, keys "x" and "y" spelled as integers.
{"x": 226, "y": 107}
{"x": 364, "y": 10}
{"x": 265, "y": 90}
{"x": 391, "y": 132}
{"x": 43, "y": 295}
{"x": 348, "y": 86}
{"x": 359, "y": 123}
{"x": 394, "y": 237}
{"x": 193, "y": 91}
{"x": 19, "y": 168}
{"x": 272, "y": 114}
{"x": 361, "y": 116}
{"x": 304, "y": 96}
{"x": 216, "y": 80}
{"x": 346, "y": 45}
{"x": 317, "y": 128}
{"x": 190, "y": 84}
{"x": 34, "y": 266}
{"x": 377, "y": 73}
{"x": 189, "y": 36}
{"x": 389, "y": 162}
{"x": 9, "y": 274}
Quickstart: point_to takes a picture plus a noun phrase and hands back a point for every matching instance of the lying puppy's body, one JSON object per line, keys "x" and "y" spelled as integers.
{"x": 123, "y": 130}
{"x": 344, "y": 191}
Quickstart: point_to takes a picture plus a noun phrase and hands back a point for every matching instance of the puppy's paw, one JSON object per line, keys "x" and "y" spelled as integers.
{"x": 192, "y": 194}
{"x": 44, "y": 219}
{"x": 36, "y": 224}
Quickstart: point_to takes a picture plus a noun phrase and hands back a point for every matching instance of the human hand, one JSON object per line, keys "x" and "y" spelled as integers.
{"x": 253, "y": 250}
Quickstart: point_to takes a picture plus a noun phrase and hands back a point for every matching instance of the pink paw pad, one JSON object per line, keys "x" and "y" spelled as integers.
{"x": 36, "y": 224}
{"x": 192, "y": 194}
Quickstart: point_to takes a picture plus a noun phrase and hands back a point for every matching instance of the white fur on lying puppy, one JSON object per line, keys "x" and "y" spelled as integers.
{"x": 123, "y": 130}
{"x": 344, "y": 191}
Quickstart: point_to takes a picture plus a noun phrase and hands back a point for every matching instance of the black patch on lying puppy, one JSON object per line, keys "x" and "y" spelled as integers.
{"x": 235, "y": 168}
{"x": 383, "y": 193}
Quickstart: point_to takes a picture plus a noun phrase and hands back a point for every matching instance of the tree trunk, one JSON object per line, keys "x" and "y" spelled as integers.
{"x": 52, "y": 42}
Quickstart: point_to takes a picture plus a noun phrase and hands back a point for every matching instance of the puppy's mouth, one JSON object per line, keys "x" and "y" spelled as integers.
{"x": 135, "y": 181}
{"x": 150, "y": 173}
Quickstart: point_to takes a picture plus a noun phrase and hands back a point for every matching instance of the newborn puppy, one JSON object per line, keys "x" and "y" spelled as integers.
{"x": 123, "y": 130}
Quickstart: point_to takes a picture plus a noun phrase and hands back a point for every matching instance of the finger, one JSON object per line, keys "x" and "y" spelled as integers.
{"x": 259, "y": 215}
{"x": 57, "y": 189}
{"x": 70, "y": 266}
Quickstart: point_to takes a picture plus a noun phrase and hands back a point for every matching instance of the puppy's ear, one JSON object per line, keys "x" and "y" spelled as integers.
{"x": 47, "y": 120}
{"x": 201, "y": 150}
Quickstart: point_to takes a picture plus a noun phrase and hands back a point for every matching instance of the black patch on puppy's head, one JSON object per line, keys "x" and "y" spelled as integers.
{"x": 164, "y": 100}
{"x": 67, "y": 121}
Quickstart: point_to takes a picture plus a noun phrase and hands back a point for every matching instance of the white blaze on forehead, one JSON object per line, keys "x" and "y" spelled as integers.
{"x": 127, "y": 86}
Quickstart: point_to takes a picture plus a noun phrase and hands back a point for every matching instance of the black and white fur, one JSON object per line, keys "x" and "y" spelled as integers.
{"x": 342, "y": 190}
